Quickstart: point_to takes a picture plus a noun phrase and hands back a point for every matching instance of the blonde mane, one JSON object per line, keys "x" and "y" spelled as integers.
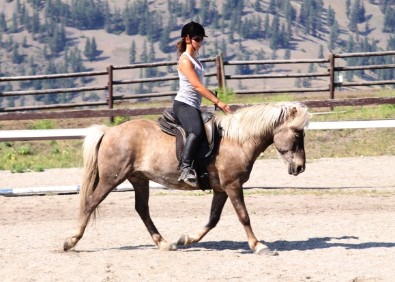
{"x": 258, "y": 120}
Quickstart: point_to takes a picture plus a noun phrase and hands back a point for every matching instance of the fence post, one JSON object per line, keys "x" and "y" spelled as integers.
{"x": 219, "y": 61}
{"x": 110, "y": 90}
{"x": 332, "y": 77}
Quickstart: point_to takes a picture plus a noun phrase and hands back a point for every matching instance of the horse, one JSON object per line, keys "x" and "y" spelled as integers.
{"x": 139, "y": 151}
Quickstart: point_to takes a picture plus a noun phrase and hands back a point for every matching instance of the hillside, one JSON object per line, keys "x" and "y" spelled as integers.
{"x": 38, "y": 37}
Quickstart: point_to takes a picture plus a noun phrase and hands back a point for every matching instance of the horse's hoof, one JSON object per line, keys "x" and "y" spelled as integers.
{"x": 167, "y": 247}
{"x": 68, "y": 244}
{"x": 263, "y": 251}
{"x": 184, "y": 240}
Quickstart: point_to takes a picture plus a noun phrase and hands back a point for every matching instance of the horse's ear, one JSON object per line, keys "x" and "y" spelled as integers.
{"x": 293, "y": 112}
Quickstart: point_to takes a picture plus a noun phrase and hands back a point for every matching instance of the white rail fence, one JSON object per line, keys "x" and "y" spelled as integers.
{"x": 78, "y": 133}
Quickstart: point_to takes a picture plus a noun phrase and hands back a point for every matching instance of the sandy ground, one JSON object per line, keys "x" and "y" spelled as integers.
{"x": 335, "y": 222}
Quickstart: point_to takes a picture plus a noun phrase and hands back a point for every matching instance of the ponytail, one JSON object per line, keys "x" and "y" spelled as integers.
{"x": 181, "y": 46}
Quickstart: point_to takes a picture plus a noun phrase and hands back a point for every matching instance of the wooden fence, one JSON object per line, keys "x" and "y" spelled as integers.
{"x": 221, "y": 74}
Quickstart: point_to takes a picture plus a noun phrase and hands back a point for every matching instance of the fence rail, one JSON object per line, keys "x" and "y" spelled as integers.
{"x": 221, "y": 69}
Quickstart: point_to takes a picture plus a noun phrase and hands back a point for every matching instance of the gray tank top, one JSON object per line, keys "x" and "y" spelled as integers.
{"x": 187, "y": 93}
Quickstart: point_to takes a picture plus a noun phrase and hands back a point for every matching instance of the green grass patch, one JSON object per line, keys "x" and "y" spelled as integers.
{"x": 43, "y": 124}
{"x": 40, "y": 155}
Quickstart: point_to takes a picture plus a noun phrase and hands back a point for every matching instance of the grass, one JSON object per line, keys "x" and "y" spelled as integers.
{"x": 40, "y": 155}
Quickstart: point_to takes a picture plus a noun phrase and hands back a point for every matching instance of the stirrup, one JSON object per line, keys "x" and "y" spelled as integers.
{"x": 189, "y": 177}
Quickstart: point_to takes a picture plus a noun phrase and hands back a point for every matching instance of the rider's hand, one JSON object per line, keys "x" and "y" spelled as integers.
{"x": 224, "y": 107}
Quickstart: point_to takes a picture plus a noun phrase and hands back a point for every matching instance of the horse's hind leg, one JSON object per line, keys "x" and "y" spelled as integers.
{"x": 217, "y": 205}
{"x": 141, "y": 189}
{"x": 91, "y": 203}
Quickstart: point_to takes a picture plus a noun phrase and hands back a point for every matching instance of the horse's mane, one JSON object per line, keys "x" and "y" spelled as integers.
{"x": 258, "y": 120}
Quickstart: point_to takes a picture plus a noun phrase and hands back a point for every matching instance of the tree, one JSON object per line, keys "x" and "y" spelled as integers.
{"x": 331, "y": 17}
{"x": 257, "y": 6}
{"x": 275, "y": 33}
{"x": 56, "y": 39}
{"x": 272, "y": 7}
{"x": 333, "y": 36}
{"x": 348, "y": 8}
{"x": 90, "y": 49}
{"x": 3, "y": 23}
{"x": 144, "y": 55}
{"x": 87, "y": 47}
{"x": 152, "y": 71}
{"x": 14, "y": 23}
{"x": 357, "y": 15}
{"x": 165, "y": 39}
{"x": 15, "y": 55}
{"x": 389, "y": 20}
{"x": 132, "y": 53}
{"x": 93, "y": 50}
{"x": 321, "y": 52}
{"x": 287, "y": 54}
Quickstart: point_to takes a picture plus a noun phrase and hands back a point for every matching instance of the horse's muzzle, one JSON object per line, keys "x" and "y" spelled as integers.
{"x": 295, "y": 169}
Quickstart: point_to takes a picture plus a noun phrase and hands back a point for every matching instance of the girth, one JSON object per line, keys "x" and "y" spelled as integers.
{"x": 170, "y": 125}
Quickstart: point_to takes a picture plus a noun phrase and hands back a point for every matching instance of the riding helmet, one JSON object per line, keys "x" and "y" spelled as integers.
{"x": 193, "y": 29}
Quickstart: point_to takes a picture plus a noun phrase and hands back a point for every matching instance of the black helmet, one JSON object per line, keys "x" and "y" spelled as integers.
{"x": 192, "y": 29}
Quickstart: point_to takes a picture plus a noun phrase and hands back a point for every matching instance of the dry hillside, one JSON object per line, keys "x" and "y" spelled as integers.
{"x": 115, "y": 48}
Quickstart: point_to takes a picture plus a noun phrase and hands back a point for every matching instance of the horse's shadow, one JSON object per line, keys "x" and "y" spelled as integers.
{"x": 325, "y": 243}
{"x": 281, "y": 245}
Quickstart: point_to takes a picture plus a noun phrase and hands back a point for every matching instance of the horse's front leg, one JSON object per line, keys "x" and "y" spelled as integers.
{"x": 237, "y": 198}
{"x": 217, "y": 204}
{"x": 141, "y": 189}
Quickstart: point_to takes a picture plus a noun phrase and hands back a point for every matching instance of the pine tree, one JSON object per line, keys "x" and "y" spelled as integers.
{"x": 333, "y": 36}
{"x": 331, "y": 17}
{"x": 389, "y": 20}
{"x": 3, "y": 23}
{"x": 144, "y": 55}
{"x": 272, "y": 7}
{"x": 354, "y": 16}
{"x": 266, "y": 27}
{"x": 275, "y": 33}
{"x": 287, "y": 54}
{"x": 152, "y": 71}
{"x": 57, "y": 39}
{"x": 93, "y": 50}
{"x": 289, "y": 11}
{"x": 35, "y": 25}
{"x": 14, "y": 23}
{"x": 87, "y": 48}
{"x": 257, "y": 6}
{"x": 321, "y": 52}
{"x": 132, "y": 53}
{"x": 348, "y": 8}
{"x": 16, "y": 57}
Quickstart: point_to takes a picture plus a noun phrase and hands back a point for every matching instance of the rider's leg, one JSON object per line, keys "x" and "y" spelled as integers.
{"x": 188, "y": 174}
{"x": 191, "y": 121}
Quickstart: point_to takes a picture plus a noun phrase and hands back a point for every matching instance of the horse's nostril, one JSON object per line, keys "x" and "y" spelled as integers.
{"x": 300, "y": 169}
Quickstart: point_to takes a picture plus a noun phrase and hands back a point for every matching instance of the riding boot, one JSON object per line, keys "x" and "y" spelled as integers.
{"x": 188, "y": 174}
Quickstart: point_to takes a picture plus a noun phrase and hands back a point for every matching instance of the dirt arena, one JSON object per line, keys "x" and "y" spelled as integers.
{"x": 336, "y": 223}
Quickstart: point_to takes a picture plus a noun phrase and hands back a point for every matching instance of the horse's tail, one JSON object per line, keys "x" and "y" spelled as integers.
{"x": 90, "y": 171}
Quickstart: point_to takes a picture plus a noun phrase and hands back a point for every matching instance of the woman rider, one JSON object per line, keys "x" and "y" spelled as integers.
{"x": 187, "y": 102}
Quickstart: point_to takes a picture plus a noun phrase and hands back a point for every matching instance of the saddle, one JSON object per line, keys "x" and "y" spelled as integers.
{"x": 170, "y": 125}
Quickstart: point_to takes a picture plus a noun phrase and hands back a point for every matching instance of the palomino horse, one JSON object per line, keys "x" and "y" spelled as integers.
{"x": 139, "y": 151}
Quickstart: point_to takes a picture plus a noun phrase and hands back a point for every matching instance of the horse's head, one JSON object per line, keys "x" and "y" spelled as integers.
{"x": 288, "y": 139}
{"x": 280, "y": 123}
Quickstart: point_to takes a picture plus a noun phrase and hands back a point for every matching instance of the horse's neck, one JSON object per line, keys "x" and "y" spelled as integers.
{"x": 253, "y": 148}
